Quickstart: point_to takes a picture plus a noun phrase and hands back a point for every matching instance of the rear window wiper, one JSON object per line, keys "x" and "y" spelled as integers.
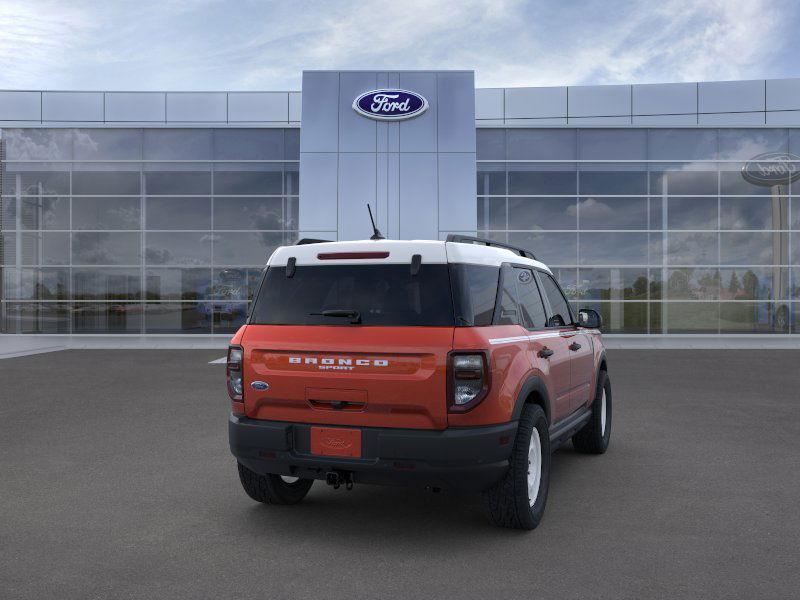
{"x": 353, "y": 315}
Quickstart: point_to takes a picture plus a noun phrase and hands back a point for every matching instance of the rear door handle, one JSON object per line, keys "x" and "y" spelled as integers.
{"x": 546, "y": 352}
{"x": 574, "y": 346}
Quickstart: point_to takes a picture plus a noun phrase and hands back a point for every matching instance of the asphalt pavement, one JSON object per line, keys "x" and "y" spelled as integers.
{"x": 116, "y": 482}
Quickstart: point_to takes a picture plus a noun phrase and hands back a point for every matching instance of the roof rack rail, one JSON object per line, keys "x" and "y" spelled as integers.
{"x": 305, "y": 241}
{"x": 468, "y": 239}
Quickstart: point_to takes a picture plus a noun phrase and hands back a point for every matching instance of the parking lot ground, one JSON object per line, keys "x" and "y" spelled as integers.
{"x": 116, "y": 482}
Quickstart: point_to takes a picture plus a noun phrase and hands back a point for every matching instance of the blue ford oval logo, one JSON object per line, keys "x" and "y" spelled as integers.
{"x": 772, "y": 168}
{"x": 390, "y": 105}
{"x": 259, "y": 385}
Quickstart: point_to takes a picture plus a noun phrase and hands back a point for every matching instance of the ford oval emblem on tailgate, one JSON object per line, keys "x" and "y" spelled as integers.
{"x": 259, "y": 385}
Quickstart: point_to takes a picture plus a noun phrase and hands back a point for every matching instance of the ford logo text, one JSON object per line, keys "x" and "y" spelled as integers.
{"x": 772, "y": 168}
{"x": 390, "y": 105}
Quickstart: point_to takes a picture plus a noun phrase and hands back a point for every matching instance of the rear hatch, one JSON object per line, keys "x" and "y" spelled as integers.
{"x": 351, "y": 340}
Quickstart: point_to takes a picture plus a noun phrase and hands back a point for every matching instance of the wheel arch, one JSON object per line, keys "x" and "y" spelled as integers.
{"x": 533, "y": 391}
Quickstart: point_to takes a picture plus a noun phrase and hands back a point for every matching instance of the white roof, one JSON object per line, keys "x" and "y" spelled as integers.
{"x": 400, "y": 251}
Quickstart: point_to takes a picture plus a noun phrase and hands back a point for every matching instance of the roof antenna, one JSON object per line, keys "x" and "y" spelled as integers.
{"x": 376, "y": 234}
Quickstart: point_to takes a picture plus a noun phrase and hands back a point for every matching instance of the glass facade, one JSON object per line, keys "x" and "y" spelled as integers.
{"x": 656, "y": 229}
{"x": 141, "y": 230}
{"x": 160, "y": 230}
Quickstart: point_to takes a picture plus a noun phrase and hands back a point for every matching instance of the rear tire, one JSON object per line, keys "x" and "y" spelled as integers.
{"x": 273, "y": 489}
{"x": 595, "y": 435}
{"x": 518, "y": 500}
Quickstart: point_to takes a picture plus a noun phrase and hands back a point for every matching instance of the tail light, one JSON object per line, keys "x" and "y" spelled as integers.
{"x": 467, "y": 379}
{"x": 234, "y": 372}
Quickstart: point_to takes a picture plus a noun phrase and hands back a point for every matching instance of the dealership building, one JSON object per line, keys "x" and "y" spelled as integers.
{"x": 672, "y": 209}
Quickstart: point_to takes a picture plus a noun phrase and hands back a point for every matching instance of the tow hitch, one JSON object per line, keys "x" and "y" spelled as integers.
{"x": 338, "y": 478}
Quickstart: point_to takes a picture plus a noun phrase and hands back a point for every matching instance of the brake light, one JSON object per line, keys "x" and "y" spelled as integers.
{"x": 467, "y": 380}
{"x": 234, "y": 372}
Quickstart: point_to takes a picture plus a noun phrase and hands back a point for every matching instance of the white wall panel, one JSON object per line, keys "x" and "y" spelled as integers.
{"x": 132, "y": 107}
{"x": 730, "y": 96}
{"x": 489, "y": 103}
{"x": 258, "y": 106}
{"x": 536, "y": 103}
{"x": 783, "y": 94}
{"x": 664, "y": 98}
{"x": 72, "y": 106}
{"x": 197, "y": 107}
{"x": 20, "y": 106}
{"x": 599, "y": 101}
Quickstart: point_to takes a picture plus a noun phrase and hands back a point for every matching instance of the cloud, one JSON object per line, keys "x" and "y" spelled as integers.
{"x": 206, "y": 44}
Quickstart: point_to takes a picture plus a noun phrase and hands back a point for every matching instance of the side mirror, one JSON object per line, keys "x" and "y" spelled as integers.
{"x": 589, "y": 318}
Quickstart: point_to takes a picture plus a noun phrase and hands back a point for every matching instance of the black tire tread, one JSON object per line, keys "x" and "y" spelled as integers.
{"x": 590, "y": 440}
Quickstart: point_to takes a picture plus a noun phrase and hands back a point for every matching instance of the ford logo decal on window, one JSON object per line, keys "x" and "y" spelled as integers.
{"x": 772, "y": 168}
{"x": 390, "y": 105}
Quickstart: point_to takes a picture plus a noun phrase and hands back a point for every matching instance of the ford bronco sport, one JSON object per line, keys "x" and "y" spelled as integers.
{"x": 456, "y": 364}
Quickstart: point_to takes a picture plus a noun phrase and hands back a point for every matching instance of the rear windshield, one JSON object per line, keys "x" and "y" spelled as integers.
{"x": 386, "y": 295}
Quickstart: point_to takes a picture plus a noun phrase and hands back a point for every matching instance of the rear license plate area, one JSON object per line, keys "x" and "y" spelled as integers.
{"x": 336, "y": 441}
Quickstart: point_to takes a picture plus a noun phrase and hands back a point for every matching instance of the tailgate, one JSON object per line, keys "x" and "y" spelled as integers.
{"x": 345, "y": 375}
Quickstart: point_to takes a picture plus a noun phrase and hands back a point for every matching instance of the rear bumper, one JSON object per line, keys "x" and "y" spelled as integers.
{"x": 470, "y": 459}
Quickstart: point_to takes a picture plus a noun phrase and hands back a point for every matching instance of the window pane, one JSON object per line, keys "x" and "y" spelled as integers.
{"x": 248, "y": 144}
{"x": 245, "y": 248}
{"x": 44, "y": 212}
{"x": 107, "y": 144}
{"x": 490, "y": 144}
{"x": 542, "y": 213}
{"x": 250, "y": 183}
{"x": 178, "y": 144}
{"x": 37, "y": 284}
{"x": 755, "y": 283}
{"x": 35, "y": 317}
{"x": 49, "y": 248}
{"x": 248, "y": 213}
{"x": 682, "y": 144}
{"x": 754, "y": 213}
{"x": 235, "y": 284}
{"x": 107, "y": 318}
{"x": 691, "y": 317}
{"x": 291, "y": 178}
{"x": 178, "y": 248}
{"x": 692, "y": 248}
{"x": 608, "y": 144}
{"x": 612, "y": 213}
{"x": 178, "y": 183}
{"x": 492, "y": 213}
{"x": 105, "y": 248}
{"x": 38, "y": 144}
{"x": 613, "y": 182}
{"x": 118, "y": 183}
{"x": 105, "y": 213}
{"x": 106, "y": 284}
{"x": 684, "y": 183}
{"x": 229, "y": 317}
{"x": 474, "y": 293}
{"x": 524, "y": 182}
{"x": 749, "y": 248}
{"x": 36, "y": 183}
{"x": 509, "y": 311}
{"x": 746, "y": 144}
{"x": 613, "y": 284}
{"x": 291, "y": 144}
{"x": 746, "y": 317}
{"x": 732, "y": 182}
{"x": 178, "y": 284}
{"x": 693, "y": 284}
{"x": 559, "y": 307}
{"x": 550, "y": 248}
{"x": 692, "y": 213}
{"x": 176, "y": 317}
{"x": 8, "y": 214}
{"x": 621, "y": 317}
{"x": 530, "y": 301}
{"x": 491, "y": 179}
{"x": 174, "y": 212}
{"x": 541, "y": 144}
{"x": 613, "y": 248}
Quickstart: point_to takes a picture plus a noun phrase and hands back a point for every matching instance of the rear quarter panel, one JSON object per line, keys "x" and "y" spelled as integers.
{"x": 510, "y": 366}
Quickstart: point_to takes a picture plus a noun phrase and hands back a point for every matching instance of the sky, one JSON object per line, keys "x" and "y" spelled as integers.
{"x": 264, "y": 45}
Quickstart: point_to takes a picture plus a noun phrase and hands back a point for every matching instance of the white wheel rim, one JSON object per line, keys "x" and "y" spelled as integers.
{"x": 534, "y": 466}
{"x": 603, "y": 414}
{"x": 289, "y": 479}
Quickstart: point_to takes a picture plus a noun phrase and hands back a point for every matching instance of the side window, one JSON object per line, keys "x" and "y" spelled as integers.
{"x": 559, "y": 306}
{"x": 509, "y": 315}
{"x": 530, "y": 301}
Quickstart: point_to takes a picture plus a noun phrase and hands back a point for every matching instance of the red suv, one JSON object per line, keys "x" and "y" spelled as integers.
{"x": 456, "y": 364}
